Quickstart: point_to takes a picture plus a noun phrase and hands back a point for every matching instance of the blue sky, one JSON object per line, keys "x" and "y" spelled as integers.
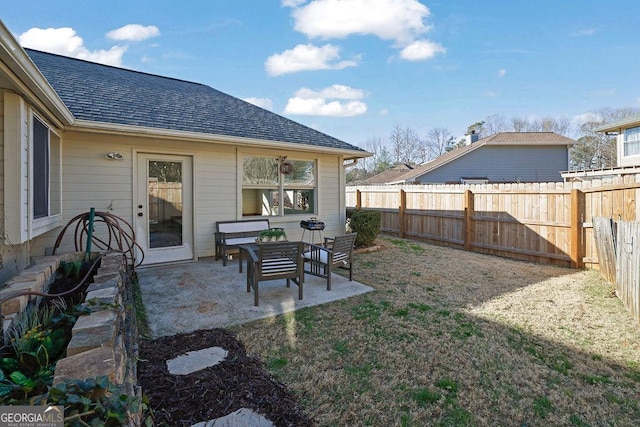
{"x": 356, "y": 68}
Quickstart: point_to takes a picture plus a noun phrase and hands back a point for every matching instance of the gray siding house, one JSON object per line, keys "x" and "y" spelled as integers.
{"x": 503, "y": 157}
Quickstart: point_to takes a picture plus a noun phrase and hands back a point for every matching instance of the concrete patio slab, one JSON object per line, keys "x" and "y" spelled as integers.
{"x": 198, "y": 295}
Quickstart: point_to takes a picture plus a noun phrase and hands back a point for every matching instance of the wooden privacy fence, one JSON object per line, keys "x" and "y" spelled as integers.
{"x": 618, "y": 246}
{"x": 549, "y": 223}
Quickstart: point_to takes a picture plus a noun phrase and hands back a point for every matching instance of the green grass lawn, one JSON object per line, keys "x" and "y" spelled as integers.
{"x": 451, "y": 338}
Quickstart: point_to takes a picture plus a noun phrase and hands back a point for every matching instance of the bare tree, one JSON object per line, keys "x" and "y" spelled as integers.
{"x": 404, "y": 145}
{"x": 519, "y": 124}
{"x": 494, "y": 124}
{"x": 437, "y": 141}
{"x": 596, "y": 150}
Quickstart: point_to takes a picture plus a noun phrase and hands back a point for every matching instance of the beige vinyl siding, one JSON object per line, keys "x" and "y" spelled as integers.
{"x": 330, "y": 210}
{"x": 14, "y": 256}
{"x": 91, "y": 180}
{"x": 2, "y": 160}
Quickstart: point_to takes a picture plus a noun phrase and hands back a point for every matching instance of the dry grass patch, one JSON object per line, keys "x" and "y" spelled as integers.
{"x": 453, "y": 338}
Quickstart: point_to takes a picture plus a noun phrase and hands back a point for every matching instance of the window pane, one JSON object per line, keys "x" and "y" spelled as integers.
{"x": 632, "y": 148}
{"x": 55, "y": 175}
{"x": 260, "y": 202}
{"x": 632, "y": 141}
{"x": 165, "y": 204}
{"x": 40, "y": 169}
{"x": 304, "y": 174}
{"x": 259, "y": 170}
{"x": 298, "y": 201}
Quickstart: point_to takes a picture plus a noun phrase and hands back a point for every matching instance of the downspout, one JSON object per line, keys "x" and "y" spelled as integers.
{"x": 348, "y": 165}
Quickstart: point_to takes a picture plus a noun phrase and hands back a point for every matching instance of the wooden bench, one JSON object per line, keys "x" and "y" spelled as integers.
{"x": 230, "y": 234}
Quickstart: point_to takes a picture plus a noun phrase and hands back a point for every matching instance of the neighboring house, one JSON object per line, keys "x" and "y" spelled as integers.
{"x": 503, "y": 157}
{"x": 170, "y": 157}
{"x": 627, "y": 133}
{"x": 389, "y": 175}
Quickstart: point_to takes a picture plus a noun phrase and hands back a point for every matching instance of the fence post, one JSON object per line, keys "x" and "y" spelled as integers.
{"x": 401, "y": 208}
{"x": 468, "y": 213}
{"x": 577, "y": 216}
{"x": 358, "y": 199}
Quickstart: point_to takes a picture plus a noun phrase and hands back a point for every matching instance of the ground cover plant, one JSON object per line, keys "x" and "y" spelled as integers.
{"x": 452, "y": 338}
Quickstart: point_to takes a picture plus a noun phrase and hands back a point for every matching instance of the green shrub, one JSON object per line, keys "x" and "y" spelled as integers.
{"x": 367, "y": 224}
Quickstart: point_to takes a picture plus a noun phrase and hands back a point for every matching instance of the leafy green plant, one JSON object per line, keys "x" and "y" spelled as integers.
{"x": 367, "y": 224}
{"x": 36, "y": 340}
{"x": 273, "y": 234}
{"x": 71, "y": 268}
{"x": 94, "y": 401}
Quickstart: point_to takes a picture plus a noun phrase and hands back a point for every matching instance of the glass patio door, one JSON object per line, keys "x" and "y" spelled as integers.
{"x": 164, "y": 208}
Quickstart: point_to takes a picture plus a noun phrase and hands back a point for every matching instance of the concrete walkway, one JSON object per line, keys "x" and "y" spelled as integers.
{"x": 205, "y": 295}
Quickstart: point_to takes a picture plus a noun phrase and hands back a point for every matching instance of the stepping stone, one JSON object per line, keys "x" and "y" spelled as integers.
{"x": 243, "y": 417}
{"x": 196, "y": 360}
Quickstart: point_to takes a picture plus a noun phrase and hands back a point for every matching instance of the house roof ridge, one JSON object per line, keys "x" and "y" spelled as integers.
{"x": 130, "y": 70}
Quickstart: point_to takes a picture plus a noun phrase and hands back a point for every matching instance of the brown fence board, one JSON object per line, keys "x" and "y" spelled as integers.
{"x": 628, "y": 266}
{"x": 605, "y": 247}
{"x": 533, "y": 222}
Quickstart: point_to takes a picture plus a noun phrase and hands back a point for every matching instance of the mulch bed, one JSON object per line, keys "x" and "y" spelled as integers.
{"x": 240, "y": 381}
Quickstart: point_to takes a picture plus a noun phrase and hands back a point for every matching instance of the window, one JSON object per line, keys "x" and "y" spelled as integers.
{"x": 46, "y": 180}
{"x": 631, "y": 141}
{"x": 40, "y": 169}
{"x": 268, "y": 192}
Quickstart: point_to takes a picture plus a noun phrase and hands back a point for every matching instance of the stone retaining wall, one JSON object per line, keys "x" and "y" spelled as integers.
{"x": 104, "y": 343}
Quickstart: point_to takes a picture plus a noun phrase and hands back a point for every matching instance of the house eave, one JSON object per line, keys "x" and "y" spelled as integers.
{"x": 620, "y": 124}
{"x": 30, "y": 82}
{"x": 129, "y": 130}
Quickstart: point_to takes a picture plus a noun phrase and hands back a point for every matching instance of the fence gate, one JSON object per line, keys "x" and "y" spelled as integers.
{"x": 604, "y": 235}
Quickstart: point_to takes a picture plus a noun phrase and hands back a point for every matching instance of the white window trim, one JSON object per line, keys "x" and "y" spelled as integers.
{"x": 19, "y": 223}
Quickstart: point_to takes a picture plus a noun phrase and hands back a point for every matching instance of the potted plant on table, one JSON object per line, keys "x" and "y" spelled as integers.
{"x": 273, "y": 235}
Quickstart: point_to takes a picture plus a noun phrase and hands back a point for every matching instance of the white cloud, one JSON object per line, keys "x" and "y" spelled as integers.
{"x": 421, "y": 49}
{"x": 490, "y": 94}
{"x": 65, "y": 41}
{"x": 384, "y": 112}
{"x": 583, "y": 33}
{"x": 588, "y": 117}
{"x": 292, "y": 3}
{"x": 265, "y": 103}
{"x": 334, "y": 91}
{"x": 134, "y": 33}
{"x": 307, "y": 57}
{"x": 502, "y": 72}
{"x": 327, "y": 102}
{"x": 399, "y": 20}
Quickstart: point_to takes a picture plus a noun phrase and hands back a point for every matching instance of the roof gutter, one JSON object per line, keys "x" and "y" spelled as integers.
{"x": 619, "y": 124}
{"x": 31, "y": 81}
{"x": 129, "y": 130}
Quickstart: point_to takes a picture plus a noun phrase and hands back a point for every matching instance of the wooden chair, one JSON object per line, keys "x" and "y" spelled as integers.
{"x": 320, "y": 260}
{"x": 271, "y": 261}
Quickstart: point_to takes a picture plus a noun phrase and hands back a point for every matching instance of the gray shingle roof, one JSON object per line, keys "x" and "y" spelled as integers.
{"x": 106, "y": 94}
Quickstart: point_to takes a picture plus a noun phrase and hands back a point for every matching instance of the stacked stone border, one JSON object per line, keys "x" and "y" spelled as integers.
{"x": 104, "y": 343}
